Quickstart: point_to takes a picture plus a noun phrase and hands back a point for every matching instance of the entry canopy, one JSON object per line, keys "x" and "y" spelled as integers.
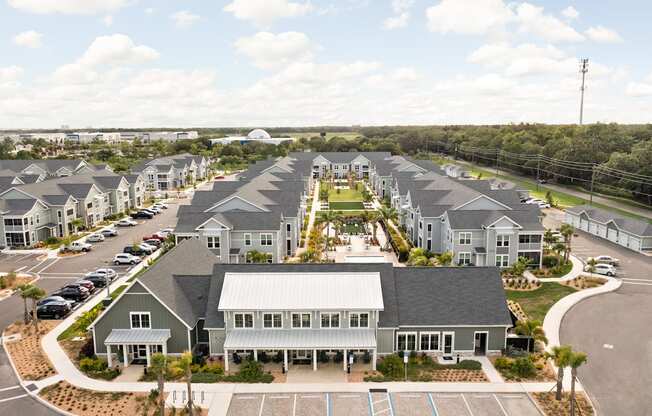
{"x": 137, "y": 336}
{"x": 248, "y": 339}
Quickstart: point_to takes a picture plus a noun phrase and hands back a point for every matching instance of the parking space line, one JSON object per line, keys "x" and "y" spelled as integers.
{"x": 279, "y": 397}
{"x": 13, "y": 398}
{"x": 311, "y": 397}
{"x": 391, "y": 404}
{"x": 328, "y": 404}
{"x": 10, "y": 388}
{"x": 348, "y": 396}
{"x": 371, "y": 405}
{"x": 432, "y": 405}
{"x": 501, "y": 406}
{"x": 247, "y": 398}
{"x": 262, "y": 404}
{"x": 467, "y": 405}
{"x": 294, "y": 406}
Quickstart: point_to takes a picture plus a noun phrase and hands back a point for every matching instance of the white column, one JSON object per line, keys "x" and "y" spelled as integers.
{"x": 314, "y": 360}
{"x": 285, "y": 360}
{"x": 148, "y": 354}
{"x": 255, "y": 355}
{"x": 226, "y": 360}
{"x": 346, "y": 358}
{"x": 374, "y": 359}
{"x": 109, "y": 359}
{"x": 165, "y": 348}
{"x": 125, "y": 355}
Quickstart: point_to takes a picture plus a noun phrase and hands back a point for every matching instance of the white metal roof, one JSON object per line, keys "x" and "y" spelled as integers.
{"x": 244, "y": 339}
{"x": 137, "y": 336}
{"x": 301, "y": 291}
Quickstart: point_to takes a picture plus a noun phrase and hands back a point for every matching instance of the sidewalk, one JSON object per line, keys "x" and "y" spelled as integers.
{"x": 577, "y": 270}
{"x": 311, "y": 219}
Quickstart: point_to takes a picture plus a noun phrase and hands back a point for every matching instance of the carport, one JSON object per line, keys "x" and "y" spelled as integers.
{"x": 136, "y": 344}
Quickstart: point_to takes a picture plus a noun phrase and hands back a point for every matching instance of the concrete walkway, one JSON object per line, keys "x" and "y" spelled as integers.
{"x": 311, "y": 219}
{"x": 576, "y": 271}
{"x": 492, "y": 374}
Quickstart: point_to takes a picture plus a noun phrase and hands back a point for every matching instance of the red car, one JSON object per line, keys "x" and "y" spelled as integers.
{"x": 154, "y": 236}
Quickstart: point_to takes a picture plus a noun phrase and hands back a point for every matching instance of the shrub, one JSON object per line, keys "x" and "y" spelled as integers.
{"x": 87, "y": 350}
{"x": 391, "y": 366}
{"x": 469, "y": 365}
{"x": 524, "y": 367}
{"x": 52, "y": 240}
{"x": 503, "y": 363}
{"x": 92, "y": 364}
{"x": 375, "y": 379}
{"x": 250, "y": 370}
{"x": 550, "y": 261}
{"x": 205, "y": 378}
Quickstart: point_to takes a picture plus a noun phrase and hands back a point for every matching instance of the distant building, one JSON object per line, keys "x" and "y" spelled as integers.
{"x": 256, "y": 135}
{"x": 89, "y": 137}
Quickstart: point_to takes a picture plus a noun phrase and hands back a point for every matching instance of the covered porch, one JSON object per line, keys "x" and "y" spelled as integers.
{"x": 304, "y": 346}
{"x": 136, "y": 345}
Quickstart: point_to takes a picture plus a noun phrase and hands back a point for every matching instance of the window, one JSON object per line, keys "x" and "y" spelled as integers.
{"x": 272, "y": 320}
{"x": 429, "y": 245}
{"x": 359, "y": 320}
{"x": 213, "y": 242}
{"x": 502, "y": 260}
{"x": 429, "y": 341}
{"x": 406, "y": 341}
{"x": 270, "y": 258}
{"x": 429, "y": 230}
{"x": 465, "y": 239}
{"x": 529, "y": 239}
{"x": 502, "y": 240}
{"x": 140, "y": 320}
{"x": 59, "y": 215}
{"x": 70, "y": 212}
{"x": 464, "y": 259}
{"x": 288, "y": 227}
{"x": 89, "y": 205}
{"x": 330, "y": 320}
{"x": 421, "y": 225}
{"x": 301, "y": 320}
{"x": 266, "y": 239}
{"x": 247, "y": 239}
{"x": 243, "y": 320}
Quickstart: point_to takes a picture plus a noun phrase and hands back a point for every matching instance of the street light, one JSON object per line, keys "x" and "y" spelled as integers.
{"x": 405, "y": 363}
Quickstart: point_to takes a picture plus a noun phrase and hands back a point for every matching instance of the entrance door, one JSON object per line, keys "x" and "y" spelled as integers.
{"x": 140, "y": 352}
{"x": 302, "y": 354}
{"x": 480, "y": 345}
{"x": 448, "y": 343}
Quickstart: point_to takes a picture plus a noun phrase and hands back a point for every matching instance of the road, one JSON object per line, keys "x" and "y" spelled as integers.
{"x": 614, "y": 330}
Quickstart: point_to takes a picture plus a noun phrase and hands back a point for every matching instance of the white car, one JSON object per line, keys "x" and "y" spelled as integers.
{"x": 601, "y": 268}
{"x": 559, "y": 236}
{"x": 150, "y": 247}
{"x": 110, "y": 273}
{"x": 126, "y": 223}
{"x": 125, "y": 258}
{"x": 155, "y": 209}
{"x": 604, "y": 260}
{"x": 95, "y": 238}
{"x": 161, "y": 205}
{"x": 79, "y": 246}
{"x": 542, "y": 204}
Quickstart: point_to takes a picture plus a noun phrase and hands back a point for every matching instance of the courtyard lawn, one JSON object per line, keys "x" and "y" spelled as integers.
{"x": 536, "y": 303}
{"x": 345, "y": 205}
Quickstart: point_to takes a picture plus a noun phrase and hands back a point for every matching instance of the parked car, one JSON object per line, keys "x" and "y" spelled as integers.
{"x": 127, "y": 222}
{"x": 154, "y": 209}
{"x": 53, "y": 310}
{"x": 543, "y": 204}
{"x": 73, "y": 292}
{"x": 104, "y": 272}
{"x": 154, "y": 242}
{"x": 126, "y": 258}
{"x": 165, "y": 232}
{"x": 147, "y": 248}
{"x": 97, "y": 280}
{"x": 161, "y": 205}
{"x": 601, "y": 268}
{"x": 79, "y": 246}
{"x": 95, "y": 238}
{"x": 51, "y": 299}
{"x": 155, "y": 236}
{"x": 86, "y": 283}
{"x": 109, "y": 232}
{"x": 135, "y": 250}
{"x": 143, "y": 214}
{"x": 604, "y": 260}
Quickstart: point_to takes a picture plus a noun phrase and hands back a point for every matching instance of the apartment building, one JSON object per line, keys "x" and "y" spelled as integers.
{"x": 340, "y": 165}
{"x": 172, "y": 172}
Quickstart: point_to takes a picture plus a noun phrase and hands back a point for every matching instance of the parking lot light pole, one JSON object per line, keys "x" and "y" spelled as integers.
{"x": 405, "y": 363}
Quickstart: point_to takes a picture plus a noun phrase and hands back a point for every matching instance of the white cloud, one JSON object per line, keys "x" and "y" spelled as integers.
{"x": 533, "y": 20}
{"x": 150, "y": 10}
{"x": 570, "y": 13}
{"x": 525, "y": 59}
{"x": 29, "y": 39}
{"x": 68, "y": 6}
{"x": 468, "y": 17}
{"x": 116, "y": 49}
{"x": 405, "y": 74}
{"x": 265, "y": 12}
{"x": 639, "y": 89}
{"x": 107, "y": 20}
{"x": 602, "y": 34}
{"x": 160, "y": 83}
{"x": 10, "y": 74}
{"x": 401, "y": 14}
{"x": 268, "y": 50}
{"x": 184, "y": 18}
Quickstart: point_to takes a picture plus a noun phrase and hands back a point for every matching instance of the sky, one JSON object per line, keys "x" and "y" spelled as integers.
{"x": 210, "y": 63}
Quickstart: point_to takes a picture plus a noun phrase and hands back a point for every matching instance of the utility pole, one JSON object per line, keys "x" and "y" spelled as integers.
{"x": 592, "y": 181}
{"x": 538, "y": 169}
{"x": 497, "y": 160}
{"x": 584, "y": 68}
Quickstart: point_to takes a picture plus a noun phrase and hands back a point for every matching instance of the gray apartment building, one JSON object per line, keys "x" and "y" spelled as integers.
{"x": 172, "y": 172}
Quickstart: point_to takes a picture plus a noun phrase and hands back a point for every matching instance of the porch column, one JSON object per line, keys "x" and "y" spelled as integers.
{"x": 314, "y": 360}
{"x": 285, "y": 360}
{"x": 226, "y": 360}
{"x": 148, "y": 354}
{"x": 109, "y": 359}
{"x": 373, "y": 359}
{"x": 255, "y": 355}
{"x": 345, "y": 360}
{"x": 165, "y": 348}
{"x": 125, "y": 355}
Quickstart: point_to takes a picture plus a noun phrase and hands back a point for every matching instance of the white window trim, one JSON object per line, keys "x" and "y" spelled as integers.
{"x": 502, "y": 256}
{"x": 406, "y": 333}
{"x": 271, "y": 239}
{"x": 149, "y": 315}
{"x": 465, "y": 234}
{"x": 213, "y": 239}
{"x": 253, "y": 320}
{"x": 486, "y": 347}
{"x": 359, "y": 313}
{"x": 330, "y": 320}
{"x": 245, "y": 239}
{"x": 503, "y": 238}
{"x": 443, "y": 336}
{"x": 430, "y": 333}
{"x": 300, "y": 320}
{"x": 459, "y": 257}
{"x": 272, "y": 313}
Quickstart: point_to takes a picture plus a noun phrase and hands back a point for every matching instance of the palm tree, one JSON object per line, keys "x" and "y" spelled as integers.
{"x": 35, "y": 293}
{"x": 418, "y": 257}
{"x": 575, "y": 361}
{"x": 567, "y": 231}
{"x": 160, "y": 367}
{"x": 328, "y": 217}
{"x": 388, "y": 214}
{"x": 591, "y": 263}
{"x": 532, "y": 330}
{"x": 558, "y": 248}
{"x": 184, "y": 364}
{"x": 24, "y": 293}
{"x": 338, "y": 223}
{"x": 77, "y": 223}
{"x": 255, "y": 256}
{"x": 560, "y": 355}
{"x": 549, "y": 238}
{"x": 373, "y": 221}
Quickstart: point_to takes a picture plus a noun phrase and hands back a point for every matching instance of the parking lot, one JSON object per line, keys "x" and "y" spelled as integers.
{"x": 380, "y": 403}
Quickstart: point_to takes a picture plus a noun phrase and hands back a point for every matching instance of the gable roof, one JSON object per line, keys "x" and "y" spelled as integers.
{"x": 631, "y": 225}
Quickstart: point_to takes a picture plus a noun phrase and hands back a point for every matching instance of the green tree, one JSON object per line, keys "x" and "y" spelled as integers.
{"x": 567, "y": 231}
{"x": 24, "y": 291}
{"x": 558, "y": 248}
{"x": 445, "y": 259}
{"x": 531, "y": 329}
{"x": 549, "y": 238}
{"x": 328, "y": 217}
{"x": 35, "y": 294}
{"x": 575, "y": 361}
{"x": 184, "y": 365}
{"x": 591, "y": 263}
{"x": 159, "y": 366}
{"x": 550, "y": 200}
{"x": 77, "y": 224}
{"x": 255, "y": 256}
{"x": 561, "y": 356}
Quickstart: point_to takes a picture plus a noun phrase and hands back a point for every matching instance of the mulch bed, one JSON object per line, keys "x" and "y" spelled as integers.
{"x": 89, "y": 403}
{"x": 552, "y": 407}
{"x": 26, "y": 352}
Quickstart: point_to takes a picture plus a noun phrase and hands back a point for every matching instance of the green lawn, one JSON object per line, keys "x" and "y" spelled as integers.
{"x": 343, "y": 195}
{"x": 345, "y": 205}
{"x": 536, "y": 303}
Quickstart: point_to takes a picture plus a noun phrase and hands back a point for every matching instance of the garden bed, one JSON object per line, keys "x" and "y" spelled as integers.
{"x": 585, "y": 282}
{"x": 90, "y": 403}
{"x": 527, "y": 368}
{"x": 26, "y": 352}
{"x": 423, "y": 368}
{"x": 552, "y": 407}
{"x": 536, "y": 303}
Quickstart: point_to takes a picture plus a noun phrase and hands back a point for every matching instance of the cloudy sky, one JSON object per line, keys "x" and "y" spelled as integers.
{"x": 148, "y": 63}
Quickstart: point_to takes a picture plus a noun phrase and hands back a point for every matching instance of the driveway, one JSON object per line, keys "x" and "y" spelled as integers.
{"x": 614, "y": 330}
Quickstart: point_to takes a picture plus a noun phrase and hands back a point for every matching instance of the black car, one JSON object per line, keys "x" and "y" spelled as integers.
{"x": 142, "y": 214}
{"x": 136, "y": 251}
{"x": 96, "y": 280}
{"x": 53, "y": 299}
{"x": 76, "y": 293}
{"x": 54, "y": 310}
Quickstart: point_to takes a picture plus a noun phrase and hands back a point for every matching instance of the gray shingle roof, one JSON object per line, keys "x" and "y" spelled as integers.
{"x": 16, "y": 206}
{"x": 478, "y": 219}
{"x": 631, "y": 225}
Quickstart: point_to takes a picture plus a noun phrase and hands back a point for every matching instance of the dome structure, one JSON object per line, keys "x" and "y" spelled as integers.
{"x": 259, "y": 134}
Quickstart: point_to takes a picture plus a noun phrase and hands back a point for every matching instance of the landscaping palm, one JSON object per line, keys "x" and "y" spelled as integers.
{"x": 561, "y": 356}
{"x": 184, "y": 364}
{"x": 35, "y": 293}
{"x": 567, "y": 231}
{"x": 160, "y": 368}
{"x": 531, "y": 329}
{"x": 576, "y": 360}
